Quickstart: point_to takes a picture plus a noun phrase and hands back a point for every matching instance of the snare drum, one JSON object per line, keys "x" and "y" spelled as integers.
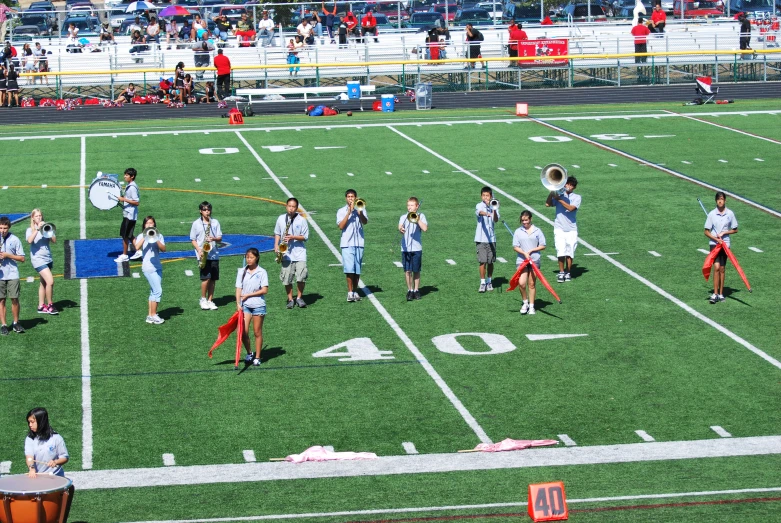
{"x": 104, "y": 193}
{"x": 43, "y": 499}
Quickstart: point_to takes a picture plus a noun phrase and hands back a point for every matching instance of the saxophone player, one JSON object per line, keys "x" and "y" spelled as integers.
{"x": 291, "y": 232}
{"x": 205, "y": 234}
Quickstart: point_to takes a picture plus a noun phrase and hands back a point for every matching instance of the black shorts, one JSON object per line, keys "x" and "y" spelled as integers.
{"x": 127, "y": 228}
{"x": 211, "y": 271}
{"x": 721, "y": 257}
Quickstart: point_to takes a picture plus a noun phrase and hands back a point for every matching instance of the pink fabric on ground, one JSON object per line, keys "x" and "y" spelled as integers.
{"x": 514, "y": 444}
{"x": 318, "y": 453}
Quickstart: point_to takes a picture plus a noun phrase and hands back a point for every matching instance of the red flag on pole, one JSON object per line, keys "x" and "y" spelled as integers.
{"x": 239, "y": 336}
{"x": 736, "y": 264}
{"x": 225, "y": 331}
{"x": 537, "y": 272}
{"x": 706, "y": 267}
{"x": 517, "y": 275}
{"x": 709, "y": 259}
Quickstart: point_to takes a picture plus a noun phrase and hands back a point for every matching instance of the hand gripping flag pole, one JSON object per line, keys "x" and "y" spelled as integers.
{"x": 706, "y": 267}
{"x": 537, "y": 272}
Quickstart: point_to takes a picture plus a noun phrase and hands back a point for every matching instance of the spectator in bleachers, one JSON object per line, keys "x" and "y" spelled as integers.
{"x": 43, "y": 62}
{"x": 245, "y": 31}
{"x": 330, "y": 21}
{"x": 352, "y": 25}
{"x": 221, "y": 27}
{"x": 266, "y": 30}
{"x": 73, "y": 46}
{"x": 171, "y": 32}
{"x": 342, "y": 32}
{"x": 516, "y": 35}
{"x": 369, "y": 26}
{"x": 658, "y": 18}
{"x": 184, "y": 31}
{"x": 292, "y": 54}
{"x": 317, "y": 25}
{"x": 202, "y": 57}
{"x": 138, "y": 45}
{"x": 153, "y": 31}
{"x": 474, "y": 38}
{"x": 223, "y": 65}
{"x": 106, "y": 35}
{"x": 4, "y": 10}
{"x": 8, "y": 52}
{"x": 641, "y": 32}
{"x": 304, "y": 30}
{"x": 199, "y": 28}
{"x": 28, "y": 61}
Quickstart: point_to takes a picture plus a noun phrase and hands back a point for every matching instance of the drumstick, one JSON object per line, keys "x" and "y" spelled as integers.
{"x": 469, "y": 450}
{"x": 276, "y": 459}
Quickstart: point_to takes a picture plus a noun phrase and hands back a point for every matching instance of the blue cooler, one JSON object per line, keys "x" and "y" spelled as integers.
{"x": 354, "y": 90}
{"x": 388, "y": 103}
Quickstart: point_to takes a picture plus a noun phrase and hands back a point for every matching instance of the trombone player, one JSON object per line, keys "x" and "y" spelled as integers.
{"x": 290, "y": 234}
{"x": 410, "y": 226}
{"x": 205, "y": 235}
{"x": 40, "y": 235}
{"x": 565, "y": 226}
{"x": 350, "y": 219}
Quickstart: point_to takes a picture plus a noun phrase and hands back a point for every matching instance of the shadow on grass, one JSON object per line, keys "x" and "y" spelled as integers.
{"x": 225, "y": 300}
{"x": 542, "y": 307}
{"x": 312, "y": 298}
{"x": 375, "y": 289}
{"x": 428, "y": 289}
{"x": 730, "y": 293}
{"x": 66, "y": 304}
{"x": 266, "y": 354}
{"x": 31, "y": 324}
{"x": 170, "y": 312}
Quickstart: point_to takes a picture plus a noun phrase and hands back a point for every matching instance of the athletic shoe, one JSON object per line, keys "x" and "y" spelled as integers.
{"x": 248, "y": 358}
{"x": 721, "y": 297}
{"x": 560, "y": 277}
{"x": 291, "y": 304}
{"x": 350, "y": 297}
{"x": 567, "y": 277}
{"x": 410, "y": 295}
{"x": 256, "y": 362}
{"x": 204, "y": 304}
{"x": 525, "y": 307}
{"x": 4, "y": 330}
{"x": 137, "y": 255}
{"x": 489, "y": 287}
{"x": 416, "y": 295}
{"x": 301, "y": 303}
{"x": 531, "y": 310}
{"x": 356, "y": 297}
{"x": 714, "y": 298}
{"x": 211, "y": 305}
{"x": 150, "y": 319}
{"x": 52, "y": 309}
{"x": 43, "y": 309}
{"x": 121, "y": 258}
{"x": 482, "y": 288}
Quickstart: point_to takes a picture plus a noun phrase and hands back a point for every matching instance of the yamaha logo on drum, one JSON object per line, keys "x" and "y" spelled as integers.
{"x": 107, "y": 184}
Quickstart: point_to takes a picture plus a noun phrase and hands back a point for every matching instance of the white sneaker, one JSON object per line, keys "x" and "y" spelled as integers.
{"x": 150, "y": 319}
{"x": 489, "y": 287}
{"x": 350, "y": 297}
{"x": 356, "y": 296}
{"x": 721, "y": 297}
{"x": 137, "y": 255}
{"x": 525, "y": 307}
{"x": 248, "y": 358}
{"x": 121, "y": 258}
{"x": 210, "y": 304}
{"x": 157, "y": 320}
{"x": 256, "y": 362}
{"x": 204, "y": 304}
{"x": 531, "y": 310}
{"x": 713, "y": 298}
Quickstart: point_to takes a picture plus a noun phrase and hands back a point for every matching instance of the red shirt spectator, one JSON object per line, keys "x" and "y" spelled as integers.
{"x": 223, "y": 64}
{"x": 351, "y": 21}
{"x": 640, "y": 33}
{"x": 368, "y": 21}
{"x": 658, "y": 15}
{"x": 517, "y": 35}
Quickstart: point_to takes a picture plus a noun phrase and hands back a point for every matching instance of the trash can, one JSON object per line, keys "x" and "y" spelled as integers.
{"x": 354, "y": 90}
{"x": 388, "y": 103}
{"x": 423, "y": 92}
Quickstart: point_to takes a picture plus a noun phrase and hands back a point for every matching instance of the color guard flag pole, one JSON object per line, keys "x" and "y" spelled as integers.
{"x": 706, "y": 267}
{"x": 537, "y": 272}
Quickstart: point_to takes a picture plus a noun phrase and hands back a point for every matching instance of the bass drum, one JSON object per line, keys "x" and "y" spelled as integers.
{"x": 43, "y": 499}
{"x": 104, "y": 193}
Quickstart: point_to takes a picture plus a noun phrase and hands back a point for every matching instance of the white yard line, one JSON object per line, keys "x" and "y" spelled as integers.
{"x": 428, "y": 463}
{"x": 447, "y": 391}
{"x": 721, "y": 432}
{"x": 752, "y": 135}
{"x": 644, "y": 435}
{"x": 412, "y": 510}
{"x": 409, "y": 448}
{"x": 169, "y": 460}
{"x": 641, "y": 161}
{"x": 249, "y": 456}
{"x": 567, "y": 440}
{"x": 762, "y": 354}
{"x": 86, "y": 376}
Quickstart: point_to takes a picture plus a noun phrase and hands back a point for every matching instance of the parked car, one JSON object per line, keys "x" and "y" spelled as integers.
{"x": 449, "y": 11}
{"x": 756, "y": 7}
{"x": 82, "y": 7}
{"x": 25, "y": 33}
{"x": 391, "y": 10}
{"x": 42, "y": 6}
{"x": 188, "y": 3}
{"x": 495, "y": 9}
{"x": 43, "y": 21}
{"x": 87, "y": 25}
{"x": 580, "y": 13}
{"x": 525, "y": 13}
{"x": 420, "y": 6}
{"x": 473, "y": 16}
{"x": 130, "y": 20}
{"x": 692, "y": 9}
{"x": 625, "y": 9}
{"x": 419, "y": 20}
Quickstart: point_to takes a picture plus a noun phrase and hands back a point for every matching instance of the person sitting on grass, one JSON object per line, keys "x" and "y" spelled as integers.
{"x": 211, "y": 94}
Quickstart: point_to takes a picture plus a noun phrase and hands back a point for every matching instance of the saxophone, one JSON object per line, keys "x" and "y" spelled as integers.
{"x": 207, "y": 247}
{"x": 282, "y": 248}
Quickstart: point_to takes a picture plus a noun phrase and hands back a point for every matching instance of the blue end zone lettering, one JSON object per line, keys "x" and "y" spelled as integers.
{"x": 94, "y": 258}
{"x": 16, "y": 217}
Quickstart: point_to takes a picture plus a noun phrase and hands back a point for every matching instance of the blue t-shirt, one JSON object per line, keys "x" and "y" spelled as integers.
{"x": 151, "y": 253}
{"x": 719, "y": 222}
{"x": 40, "y": 252}
{"x": 352, "y": 234}
{"x": 8, "y": 268}
{"x": 198, "y": 233}
{"x": 567, "y": 220}
{"x": 131, "y": 193}
{"x": 528, "y": 240}
{"x": 45, "y": 451}
{"x": 252, "y": 282}
{"x": 485, "y": 224}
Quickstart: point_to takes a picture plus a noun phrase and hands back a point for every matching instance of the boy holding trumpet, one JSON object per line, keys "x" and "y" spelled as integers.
{"x": 410, "y": 226}
{"x": 487, "y": 212}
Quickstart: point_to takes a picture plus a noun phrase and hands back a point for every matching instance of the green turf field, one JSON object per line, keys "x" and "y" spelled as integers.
{"x": 654, "y": 361}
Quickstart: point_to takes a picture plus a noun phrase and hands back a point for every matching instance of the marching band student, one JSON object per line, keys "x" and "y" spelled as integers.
{"x": 44, "y": 449}
{"x": 10, "y": 253}
{"x": 565, "y": 226}
{"x": 41, "y": 259}
{"x": 129, "y": 203}
{"x": 351, "y": 222}
{"x": 411, "y": 248}
{"x": 152, "y": 268}
{"x": 719, "y": 226}
{"x": 292, "y": 229}
{"x": 207, "y": 230}
{"x": 485, "y": 238}
{"x": 251, "y": 286}
{"x": 528, "y": 241}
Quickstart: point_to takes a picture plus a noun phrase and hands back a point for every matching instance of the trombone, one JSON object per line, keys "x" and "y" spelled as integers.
{"x": 48, "y": 230}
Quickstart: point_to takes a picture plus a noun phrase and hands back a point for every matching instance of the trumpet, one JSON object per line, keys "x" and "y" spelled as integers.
{"x": 359, "y": 204}
{"x": 48, "y": 230}
{"x": 151, "y": 235}
{"x": 554, "y": 177}
{"x": 494, "y": 204}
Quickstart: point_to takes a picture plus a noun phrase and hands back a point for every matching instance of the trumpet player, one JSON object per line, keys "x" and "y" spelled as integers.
{"x": 565, "y": 226}
{"x": 151, "y": 245}
{"x": 41, "y": 259}
{"x": 487, "y": 212}
{"x": 410, "y": 226}
{"x": 350, "y": 219}
{"x": 207, "y": 231}
{"x": 292, "y": 231}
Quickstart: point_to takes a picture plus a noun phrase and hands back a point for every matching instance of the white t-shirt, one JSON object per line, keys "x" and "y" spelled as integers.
{"x": 410, "y": 240}
{"x": 296, "y": 249}
{"x": 528, "y": 240}
{"x": 131, "y": 193}
{"x": 198, "y": 233}
{"x": 252, "y": 282}
{"x": 267, "y": 24}
{"x": 46, "y": 451}
{"x": 485, "y": 224}
{"x": 151, "y": 252}
{"x": 8, "y": 268}
{"x": 719, "y": 222}
{"x": 352, "y": 234}
{"x": 304, "y": 30}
